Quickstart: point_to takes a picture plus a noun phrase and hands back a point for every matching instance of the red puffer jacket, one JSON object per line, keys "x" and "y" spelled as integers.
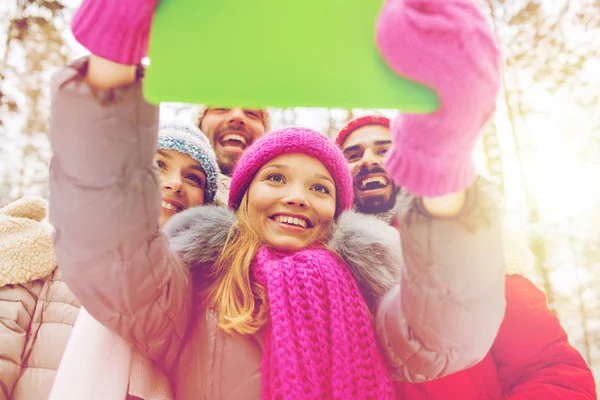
{"x": 531, "y": 359}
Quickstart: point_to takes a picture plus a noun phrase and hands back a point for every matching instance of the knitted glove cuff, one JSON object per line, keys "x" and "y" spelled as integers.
{"x": 116, "y": 30}
{"x": 428, "y": 174}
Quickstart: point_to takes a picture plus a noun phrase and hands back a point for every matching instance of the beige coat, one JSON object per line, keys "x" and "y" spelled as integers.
{"x": 37, "y": 310}
{"x": 222, "y": 197}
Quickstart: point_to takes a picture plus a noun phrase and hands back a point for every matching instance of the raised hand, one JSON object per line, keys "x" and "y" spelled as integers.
{"x": 447, "y": 45}
{"x": 116, "y": 30}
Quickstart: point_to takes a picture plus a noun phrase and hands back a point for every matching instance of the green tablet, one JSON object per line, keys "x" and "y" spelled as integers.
{"x": 279, "y": 53}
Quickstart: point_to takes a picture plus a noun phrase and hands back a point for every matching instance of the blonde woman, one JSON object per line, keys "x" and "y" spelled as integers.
{"x": 300, "y": 298}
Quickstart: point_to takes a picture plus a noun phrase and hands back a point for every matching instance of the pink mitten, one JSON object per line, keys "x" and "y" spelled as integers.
{"x": 117, "y": 30}
{"x": 447, "y": 45}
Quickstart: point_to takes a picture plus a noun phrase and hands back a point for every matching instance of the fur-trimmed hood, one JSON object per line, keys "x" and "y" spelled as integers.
{"x": 26, "y": 250}
{"x": 369, "y": 246}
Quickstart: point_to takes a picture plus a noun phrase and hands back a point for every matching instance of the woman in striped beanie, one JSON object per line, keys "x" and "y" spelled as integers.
{"x": 188, "y": 169}
{"x": 188, "y": 175}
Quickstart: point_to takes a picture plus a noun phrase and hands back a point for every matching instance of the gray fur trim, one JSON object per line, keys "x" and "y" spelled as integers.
{"x": 199, "y": 234}
{"x": 371, "y": 249}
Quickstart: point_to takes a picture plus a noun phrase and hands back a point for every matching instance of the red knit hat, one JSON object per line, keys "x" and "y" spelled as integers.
{"x": 359, "y": 123}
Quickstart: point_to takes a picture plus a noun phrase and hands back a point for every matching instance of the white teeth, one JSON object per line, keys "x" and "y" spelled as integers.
{"x": 170, "y": 206}
{"x": 380, "y": 179}
{"x": 291, "y": 220}
{"x": 238, "y": 138}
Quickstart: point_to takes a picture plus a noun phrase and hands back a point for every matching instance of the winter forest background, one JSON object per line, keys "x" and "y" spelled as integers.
{"x": 542, "y": 148}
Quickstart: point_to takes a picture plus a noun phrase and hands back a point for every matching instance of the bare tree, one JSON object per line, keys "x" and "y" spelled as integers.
{"x": 33, "y": 49}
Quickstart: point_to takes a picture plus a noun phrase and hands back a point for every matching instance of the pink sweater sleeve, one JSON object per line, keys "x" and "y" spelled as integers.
{"x": 104, "y": 205}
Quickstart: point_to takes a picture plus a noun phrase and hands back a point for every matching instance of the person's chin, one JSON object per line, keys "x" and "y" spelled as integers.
{"x": 374, "y": 205}
{"x": 163, "y": 219}
{"x": 287, "y": 244}
{"x": 227, "y": 165}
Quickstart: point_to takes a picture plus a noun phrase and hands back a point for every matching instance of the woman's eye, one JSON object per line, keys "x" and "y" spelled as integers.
{"x": 382, "y": 151}
{"x": 277, "y": 178}
{"x": 161, "y": 164}
{"x": 321, "y": 189}
{"x": 252, "y": 114}
{"x": 194, "y": 178}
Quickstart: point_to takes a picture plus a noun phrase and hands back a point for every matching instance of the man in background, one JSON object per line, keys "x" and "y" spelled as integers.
{"x": 365, "y": 141}
{"x": 230, "y": 131}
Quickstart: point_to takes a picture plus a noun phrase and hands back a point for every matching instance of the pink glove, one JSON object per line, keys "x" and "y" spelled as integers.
{"x": 117, "y": 30}
{"x": 447, "y": 45}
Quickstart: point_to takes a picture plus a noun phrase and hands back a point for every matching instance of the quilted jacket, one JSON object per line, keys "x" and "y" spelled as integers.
{"x": 440, "y": 316}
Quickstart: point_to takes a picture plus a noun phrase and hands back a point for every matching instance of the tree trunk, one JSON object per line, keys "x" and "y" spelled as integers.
{"x": 587, "y": 352}
{"x": 493, "y": 156}
{"x": 536, "y": 243}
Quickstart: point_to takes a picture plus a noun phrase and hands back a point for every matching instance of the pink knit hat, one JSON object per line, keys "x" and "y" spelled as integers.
{"x": 359, "y": 123}
{"x": 287, "y": 141}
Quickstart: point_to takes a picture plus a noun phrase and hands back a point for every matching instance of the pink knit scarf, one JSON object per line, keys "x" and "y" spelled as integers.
{"x": 320, "y": 342}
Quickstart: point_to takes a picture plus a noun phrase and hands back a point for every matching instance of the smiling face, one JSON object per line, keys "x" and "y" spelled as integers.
{"x": 182, "y": 181}
{"x": 231, "y": 131}
{"x": 364, "y": 149}
{"x": 291, "y": 202}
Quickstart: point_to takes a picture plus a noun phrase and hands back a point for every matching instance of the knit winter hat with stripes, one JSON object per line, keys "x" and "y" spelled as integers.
{"x": 188, "y": 139}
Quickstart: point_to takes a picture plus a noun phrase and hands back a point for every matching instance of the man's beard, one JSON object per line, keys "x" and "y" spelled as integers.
{"x": 227, "y": 167}
{"x": 227, "y": 164}
{"x": 377, "y": 205}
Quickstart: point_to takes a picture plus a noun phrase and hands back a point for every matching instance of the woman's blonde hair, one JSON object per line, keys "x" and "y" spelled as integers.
{"x": 240, "y": 302}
